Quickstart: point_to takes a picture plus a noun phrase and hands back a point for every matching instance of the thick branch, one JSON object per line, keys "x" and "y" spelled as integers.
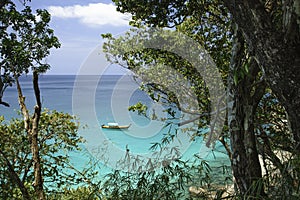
{"x": 37, "y": 89}
{"x": 22, "y": 104}
{"x": 38, "y": 178}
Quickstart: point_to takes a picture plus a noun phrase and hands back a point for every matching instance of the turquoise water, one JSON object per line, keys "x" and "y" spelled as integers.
{"x": 99, "y": 100}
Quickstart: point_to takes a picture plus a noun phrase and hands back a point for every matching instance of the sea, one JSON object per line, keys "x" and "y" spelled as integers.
{"x": 98, "y": 100}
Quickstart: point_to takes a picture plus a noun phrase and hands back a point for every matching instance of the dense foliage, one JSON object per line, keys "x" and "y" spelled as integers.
{"x": 58, "y": 137}
{"x": 256, "y": 119}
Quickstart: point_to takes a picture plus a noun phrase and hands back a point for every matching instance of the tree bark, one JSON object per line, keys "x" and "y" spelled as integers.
{"x": 242, "y": 104}
{"x": 38, "y": 177}
{"x": 31, "y": 126}
{"x": 276, "y": 47}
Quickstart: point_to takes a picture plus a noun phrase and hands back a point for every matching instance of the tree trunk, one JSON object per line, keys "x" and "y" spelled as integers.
{"x": 243, "y": 101}
{"x": 31, "y": 126}
{"x": 276, "y": 46}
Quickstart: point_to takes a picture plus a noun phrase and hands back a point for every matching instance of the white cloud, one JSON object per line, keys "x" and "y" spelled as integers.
{"x": 94, "y": 14}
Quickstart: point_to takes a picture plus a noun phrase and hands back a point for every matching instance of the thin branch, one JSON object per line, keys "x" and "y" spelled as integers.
{"x": 201, "y": 115}
{"x": 226, "y": 146}
{"x": 15, "y": 177}
{"x": 2, "y": 89}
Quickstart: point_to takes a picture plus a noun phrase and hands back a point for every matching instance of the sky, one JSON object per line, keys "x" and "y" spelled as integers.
{"x": 79, "y": 24}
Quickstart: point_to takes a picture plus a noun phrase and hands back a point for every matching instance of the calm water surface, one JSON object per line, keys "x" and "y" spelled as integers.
{"x": 107, "y": 101}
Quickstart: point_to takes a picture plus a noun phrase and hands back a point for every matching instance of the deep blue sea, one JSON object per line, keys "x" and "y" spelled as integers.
{"x": 100, "y": 100}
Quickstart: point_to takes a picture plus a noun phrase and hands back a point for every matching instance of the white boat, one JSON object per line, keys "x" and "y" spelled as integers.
{"x": 113, "y": 125}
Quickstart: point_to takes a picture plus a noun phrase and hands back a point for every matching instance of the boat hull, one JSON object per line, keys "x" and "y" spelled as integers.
{"x": 115, "y": 127}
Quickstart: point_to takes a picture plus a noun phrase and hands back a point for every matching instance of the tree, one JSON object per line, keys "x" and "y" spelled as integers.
{"x": 272, "y": 31}
{"x": 57, "y": 136}
{"x": 160, "y": 89}
{"x": 25, "y": 42}
{"x": 34, "y": 157}
{"x": 246, "y": 74}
